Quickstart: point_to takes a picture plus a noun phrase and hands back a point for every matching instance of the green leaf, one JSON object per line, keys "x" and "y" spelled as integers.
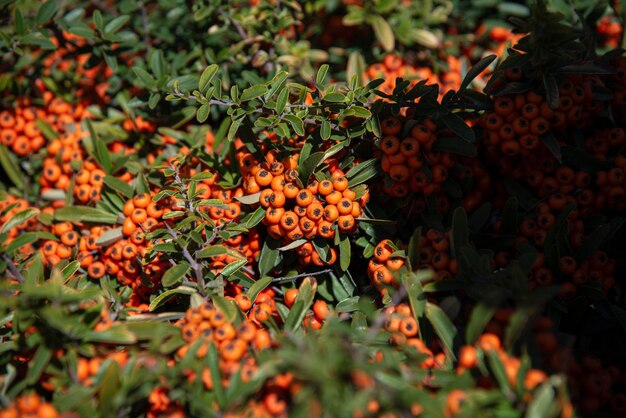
{"x": 276, "y": 83}
{"x": 363, "y": 172}
{"x": 46, "y": 11}
{"x": 281, "y": 100}
{"x": 157, "y": 63}
{"x": 460, "y": 231}
{"x": 383, "y": 33}
{"x": 38, "y": 364}
{"x": 203, "y": 112}
{"x": 119, "y": 186}
{"x": 175, "y": 274}
{"x": 20, "y": 28}
{"x": 425, "y": 38}
{"x": 47, "y": 130}
{"x": 228, "y": 307}
{"x": 325, "y": 130}
{"x": 214, "y": 367}
{"x": 301, "y": 305}
{"x": 355, "y": 66}
{"x": 146, "y": 79}
{"x": 28, "y": 238}
{"x": 69, "y": 270}
{"x": 456, "y": 146}
{"x": 100, "y": 151}
{"x": 270, "y": 256}
{"x": 543, "y": 404}
{"x": 233, "y": 267}
{"x": 207, "y": 76}
{"x": 358, "y": 111}
{"x": 296, "y": 123}
{"x": 234, "y": 127}
{"x": 497, "y": 368}
{"x": 443, "y": 326}
{"x": 552, "y": 90}
{"x": 292, "y": 245}
{"x": 249, "y": 199}
{"x": 84, "y": 214}
{"x": 153, "y": 101}
{"x": 109, "y": 386}
{"x": 345, "y": 250}
{"x": 553, "y": 146}
{"x": 413, "y": 250}
{"x": 255, "y": 218}
{"x": 457, "y": 125}
{"x": 11, "y": 168}
{"x": 258, "y": 287}
{"x": 350, "y": 304}
{"x": 215, "y": 250}
{"x": 19, "y": 218}
{"x": 320, "y": 78}
{"x": 116, "y": 24}
{"x": 165, "y": 296}
{"x": 253, "y": 92}
{"x": 411, "y": 282}
{"x": 117, "y": 334}
{"x": 307, "y": 166}
{"x": 475, "y": 71}
{"x": 110, "y": 236}
{"x": 334, "y": 97}
{"x": 491, "y": 299}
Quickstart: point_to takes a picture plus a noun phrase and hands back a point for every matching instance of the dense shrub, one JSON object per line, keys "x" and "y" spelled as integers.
{"x": 311, "y": 208}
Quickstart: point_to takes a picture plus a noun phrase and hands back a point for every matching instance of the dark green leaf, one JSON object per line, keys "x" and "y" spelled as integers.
{"x": 203, "y": 113}
{"x": 116, "y": 24}
{"x": 303, "y": 302}
{"x": 270, "y": 256}
{"x": 11, "y": 168}
{"x": 253, "y": 92}
{"x": 255, "y": 218}
{"x": 258, "y": 287}
{"x": 165, "y": 296}
{"x": 475, "y": 71}
{"x": 232, "y": 267}
{"x": 119, "y": 186}
{"x": 325, "y": 130}
{"x": 206, "y": 77}
{"x": 175, "y": 274}
{"x": 345, "y": 250}
{"x": 443, "y": 326}
{"x": 19, "y": 218}
{"x": 46, "y": 130}
{"x": 321, "y": 75}
{"x": 84, "y": 214}
{"x": 296, "y": 123}
{"x": 146, "y": 79}
{"x": 457, "y": 125}
{"x": 456, "y": 146}
{"x": 460, "y": 231}
{"x": 117, "y": 334}
{"x": 553, "y": 145}
{"x": 46, "y": 11}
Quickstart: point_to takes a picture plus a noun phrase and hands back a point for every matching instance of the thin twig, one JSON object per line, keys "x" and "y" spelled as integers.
{"x": 299, "y": 276}
{"x": 240, "y": 30}
{"x": 13, "y": 269}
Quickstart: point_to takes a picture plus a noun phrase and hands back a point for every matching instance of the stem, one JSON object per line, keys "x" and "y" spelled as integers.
{"x": 13, "y": 269}
{"x": 301, "y": 275}
{"x": 196, "y": 267}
